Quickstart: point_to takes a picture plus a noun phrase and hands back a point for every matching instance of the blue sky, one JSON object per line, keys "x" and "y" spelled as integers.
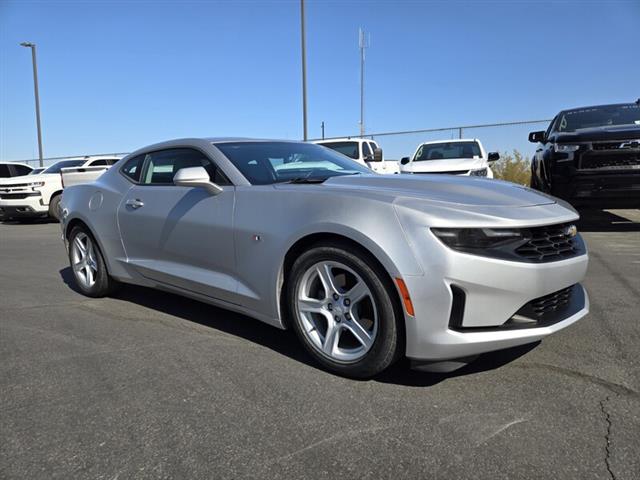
{"x": 117, "y": 75}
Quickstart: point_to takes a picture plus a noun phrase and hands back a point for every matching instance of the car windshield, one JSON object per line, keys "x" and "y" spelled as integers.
{"x": 608, "y": 115}
{"x": 56, "y": 167}
{"x": 445, "y": 151}
{"x": 350, "y": 149}
{"x": 264, "y": 163}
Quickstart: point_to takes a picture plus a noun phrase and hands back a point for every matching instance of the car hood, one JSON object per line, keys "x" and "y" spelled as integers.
{"x": 470, "y": 191}
{"x": 619, "y": 132}
{"x": 448, "y": 165}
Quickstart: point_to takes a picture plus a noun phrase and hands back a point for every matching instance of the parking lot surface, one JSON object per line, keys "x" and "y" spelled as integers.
{"x": 147, "y": 384}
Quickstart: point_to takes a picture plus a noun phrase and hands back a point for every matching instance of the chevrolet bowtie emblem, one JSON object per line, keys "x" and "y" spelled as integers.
{"x": 571, "y": 231}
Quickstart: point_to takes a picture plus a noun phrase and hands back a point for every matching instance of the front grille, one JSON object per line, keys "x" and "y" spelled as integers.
{"x": 616, "y": 145}
{"x": 17, "y": 196}
{"x": 549, "y": 243}
{"x": 550, "y": 303}
{"x": 617, "y": 160}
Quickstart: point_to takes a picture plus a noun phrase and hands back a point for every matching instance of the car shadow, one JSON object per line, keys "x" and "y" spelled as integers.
{"x": 596, "y": 220}
{"x": 285, "y": 342}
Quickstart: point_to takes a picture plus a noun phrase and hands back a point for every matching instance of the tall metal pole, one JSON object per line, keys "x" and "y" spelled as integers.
{"x": 37, "y": 95}
{"x": 304, "y": 71}
{"x": 363, "y": 44}
{"x": 322, "y": 129}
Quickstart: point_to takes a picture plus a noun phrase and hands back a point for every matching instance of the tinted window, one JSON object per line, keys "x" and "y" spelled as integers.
{"x": 444, "y": 151}
{"x": 373, "y": 146}
{"x": 133, "y": 168}
{"x": 36, "y": 171}
{"x": 163, "y": 165}
{"x": 350, "y": 149}
{"x": 264, "y": 163}
{"x": 21, "y": 170}
{"x": 56, "y": 167}
{"x": 4, "y": 171}
{"x": 103, "y": 161}
{"x": 366, "y": 150}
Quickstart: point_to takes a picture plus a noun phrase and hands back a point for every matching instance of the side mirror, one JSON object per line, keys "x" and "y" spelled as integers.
{"x": 196, "y": 177}
{"x": 377, "y": 154}
{"x": 535, "y": 137}
{"x": 493, "y": 156}
{"x": 404, "y": 160}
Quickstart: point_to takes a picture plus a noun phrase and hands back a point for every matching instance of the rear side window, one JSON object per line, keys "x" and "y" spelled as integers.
{"x": 97, "y": 163}
{"x": 133, "y": 168}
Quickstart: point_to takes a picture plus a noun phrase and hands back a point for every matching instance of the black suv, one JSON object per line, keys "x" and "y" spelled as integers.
{"x": 590, "y": 156}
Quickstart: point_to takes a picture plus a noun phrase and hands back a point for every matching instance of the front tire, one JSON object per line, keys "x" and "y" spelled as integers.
{"x": 343, "y": 310}
{"x": 88, "y": 265}
{"x": 54, "y": 207}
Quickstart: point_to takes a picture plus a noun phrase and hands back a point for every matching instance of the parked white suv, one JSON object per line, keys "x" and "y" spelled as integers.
{"x": 39, "y": 195}
{"x": 366, "y": 152}
{"x": 455, "y": 157}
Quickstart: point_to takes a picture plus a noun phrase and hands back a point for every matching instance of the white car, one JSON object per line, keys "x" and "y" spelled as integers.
{"x": 366, "y": 152}
{"x": 454, "y": 157}
{"x": 39, "y": 195}
{"x": 11, "y": 169}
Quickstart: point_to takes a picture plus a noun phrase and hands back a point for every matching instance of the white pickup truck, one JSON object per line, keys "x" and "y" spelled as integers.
{"x": 366, "y": 152}
{"x": 453, "y": 157}
{"x": 39, "y": 195}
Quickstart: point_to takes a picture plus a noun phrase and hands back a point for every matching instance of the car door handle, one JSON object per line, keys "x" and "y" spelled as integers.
{"x": 134, "y": 203}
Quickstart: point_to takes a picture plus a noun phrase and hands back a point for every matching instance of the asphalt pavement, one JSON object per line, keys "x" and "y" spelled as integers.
{"x": 151, "y": 385}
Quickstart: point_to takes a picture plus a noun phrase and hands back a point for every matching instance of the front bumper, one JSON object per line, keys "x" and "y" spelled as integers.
{"x": 598, "y": 189}
{"x": 30, "y": 205}
{"x": 494, "y": 292}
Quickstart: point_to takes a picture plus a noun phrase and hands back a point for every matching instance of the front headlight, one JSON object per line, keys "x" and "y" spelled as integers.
{"x": 35, "y": 184}
{"x": 565, "y": 148}
{"x": 478, "y": 172}
{"x": 475, "y": 238}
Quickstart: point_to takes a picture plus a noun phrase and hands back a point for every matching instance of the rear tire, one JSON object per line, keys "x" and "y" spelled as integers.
{"x": 343, "y": 311}
{"x": 88, "y": 265}
{"x": 54, "y": 207}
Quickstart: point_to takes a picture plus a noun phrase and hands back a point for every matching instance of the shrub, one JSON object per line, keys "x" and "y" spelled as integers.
{"x": 512, "y": 168}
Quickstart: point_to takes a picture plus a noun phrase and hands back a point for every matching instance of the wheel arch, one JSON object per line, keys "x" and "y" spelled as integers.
{"x": 77, "y": 221}
{"x": 308, "y": 241}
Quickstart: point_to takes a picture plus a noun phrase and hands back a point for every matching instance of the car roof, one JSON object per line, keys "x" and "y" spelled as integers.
{"x": 17, "y": 163}
{"x": 344, "y": 139}
{"x": 456, "y": 140}
{"x": 627, "y": 104}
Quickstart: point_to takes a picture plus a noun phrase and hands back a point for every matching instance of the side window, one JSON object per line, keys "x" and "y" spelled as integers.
{"x": 133, "y": 168}
{"x": 4, "y": 171}
{"x": 372, "y": 146}
{"x": 366, "y": 151}
{"x": 163, "y": 165}
{"x": 21, "y": 170}
{"x": 97, "y": 163}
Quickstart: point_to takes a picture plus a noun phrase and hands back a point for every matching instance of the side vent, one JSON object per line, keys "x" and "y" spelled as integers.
{"x": 457, "y": 307}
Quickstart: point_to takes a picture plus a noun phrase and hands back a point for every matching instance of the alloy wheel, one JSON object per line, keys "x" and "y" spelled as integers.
{"x": 337, "y": 311}
{"x": 83, "y": 257}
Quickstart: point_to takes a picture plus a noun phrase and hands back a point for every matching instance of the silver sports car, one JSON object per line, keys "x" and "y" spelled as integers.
{"x": 365, "y": 268}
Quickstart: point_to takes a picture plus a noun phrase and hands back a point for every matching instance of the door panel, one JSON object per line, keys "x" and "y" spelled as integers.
{"x": 181, "y": 236}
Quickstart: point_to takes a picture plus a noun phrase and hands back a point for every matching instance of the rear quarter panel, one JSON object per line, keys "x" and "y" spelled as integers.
{"x": 96, "y": 204}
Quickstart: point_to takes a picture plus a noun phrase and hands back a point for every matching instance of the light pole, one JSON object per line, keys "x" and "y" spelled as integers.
{"x": 32, "y": 46}
{"x": 304, "y": 71}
